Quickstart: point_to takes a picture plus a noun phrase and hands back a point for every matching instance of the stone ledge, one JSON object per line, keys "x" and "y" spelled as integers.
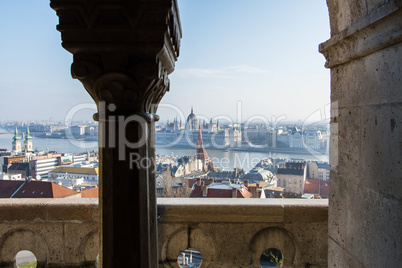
{"x": 49, "y": 210}
{"x": 372, "y": 33}
{"x": 242, "y": 201}
{"x": 171, "y": 210}
{"x": 172, "y": 201}
{"x": 215, "y": 210}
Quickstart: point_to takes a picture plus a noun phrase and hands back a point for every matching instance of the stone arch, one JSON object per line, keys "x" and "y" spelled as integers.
{"x": 89, "y": 248}
{"x": 188, "y": 238}
{"x": 273, "y": 237}
{"x": 16, "y": 240}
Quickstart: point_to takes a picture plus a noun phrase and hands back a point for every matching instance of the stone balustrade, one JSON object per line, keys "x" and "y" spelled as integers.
{"x": 227, "y": 232}
{"x": 59, "y": 232}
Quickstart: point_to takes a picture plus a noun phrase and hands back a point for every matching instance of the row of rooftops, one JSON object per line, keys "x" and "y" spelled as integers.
{"x": 258, "y": 178}
{"x": 62, "y": 169}
{"x": 41, "y": 189}
{"x": 209, "y": 188}
{"x": 236, "y": 189}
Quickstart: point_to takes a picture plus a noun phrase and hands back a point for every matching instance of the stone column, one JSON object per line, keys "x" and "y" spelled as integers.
{"x": 123, "y": 52}
{"x": 364, "y": 55}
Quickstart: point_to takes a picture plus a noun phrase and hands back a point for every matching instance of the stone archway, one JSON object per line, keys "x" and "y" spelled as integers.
{"x": 277, "y": 238}
{"x": 17, "y": 240}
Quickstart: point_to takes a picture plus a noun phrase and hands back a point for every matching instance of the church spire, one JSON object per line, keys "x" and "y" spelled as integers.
{"x": 16, "y": 135}
{"x": 16, "y": 145}
{"x": 28, "y": 141}
{"x": 27, "y": 134}
{"x": 199, "y": 140}
{"x": 201, "y": 154}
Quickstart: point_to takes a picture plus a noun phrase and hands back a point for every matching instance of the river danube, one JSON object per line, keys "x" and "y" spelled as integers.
{"x": 226, "y": 160}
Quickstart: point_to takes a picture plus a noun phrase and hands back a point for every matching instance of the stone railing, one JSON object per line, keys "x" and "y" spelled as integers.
{"x": 59, "y": 232}
{"x": 227, "y": 232}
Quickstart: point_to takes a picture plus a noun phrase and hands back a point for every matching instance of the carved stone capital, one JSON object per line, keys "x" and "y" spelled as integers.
{"x": 374, "y": 32}
{"x": 123, "y": 49}
{"x": 136, "y": 87}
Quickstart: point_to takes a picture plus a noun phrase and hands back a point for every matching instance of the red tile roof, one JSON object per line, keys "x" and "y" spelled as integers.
{"x": 217, "y": 193}
{"x": 33, "y": 189}
{"x": 311, "y": 186}
{"x": 61, "y": 191}
{"x": 90, "y": 193}
{"x": 7, "y": 188}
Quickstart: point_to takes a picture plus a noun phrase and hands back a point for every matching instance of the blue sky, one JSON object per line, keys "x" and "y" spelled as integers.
{"x": 259, "y": 52}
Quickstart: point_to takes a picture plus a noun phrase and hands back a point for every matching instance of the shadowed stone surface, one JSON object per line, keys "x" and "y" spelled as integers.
{"x": 364, "y": 54}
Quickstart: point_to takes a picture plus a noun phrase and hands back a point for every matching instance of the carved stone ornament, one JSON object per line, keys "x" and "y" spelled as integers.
{"x": 123, "y": 49}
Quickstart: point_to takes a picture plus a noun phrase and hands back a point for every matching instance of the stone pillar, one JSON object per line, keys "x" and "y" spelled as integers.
{"x": 364, "y": 55}
{"x": 123, "y": 52}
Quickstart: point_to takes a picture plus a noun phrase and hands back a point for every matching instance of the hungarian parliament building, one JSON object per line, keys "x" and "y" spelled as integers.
{"x": 215, "y": 136}
{"x": 186, "y": 135}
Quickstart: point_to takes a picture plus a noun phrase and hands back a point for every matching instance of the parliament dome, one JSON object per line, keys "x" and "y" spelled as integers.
{"x": 192, "y": 121}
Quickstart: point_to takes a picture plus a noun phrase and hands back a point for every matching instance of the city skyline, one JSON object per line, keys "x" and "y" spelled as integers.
{"x": 256, "y": 56}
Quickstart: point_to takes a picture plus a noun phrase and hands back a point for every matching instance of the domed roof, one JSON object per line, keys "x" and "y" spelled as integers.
{"x": 192, "y": 116}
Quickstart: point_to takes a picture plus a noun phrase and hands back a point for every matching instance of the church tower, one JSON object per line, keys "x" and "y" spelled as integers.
{"x": 28, "y": 141}
{"x": 201, "y": 154}
{"x": 16, "y": 142}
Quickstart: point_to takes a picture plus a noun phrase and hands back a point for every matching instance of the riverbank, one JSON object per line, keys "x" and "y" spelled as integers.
{"x": 244, "y": 148}
{"x": 255, "y": 149}
{"x": 62, "y": 136}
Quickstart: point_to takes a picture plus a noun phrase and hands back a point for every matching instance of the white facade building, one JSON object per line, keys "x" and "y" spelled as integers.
{"x": 10, "y": 177}
{"x": 41, "y": 167}
{"x": 89, "y": 175}
{"x": 307, "y": 139}
{"x": 295, "y": 140}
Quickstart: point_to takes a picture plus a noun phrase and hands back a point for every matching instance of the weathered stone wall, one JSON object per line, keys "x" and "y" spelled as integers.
{"x": 364, "y": 54}
{"x": 59, "y": 232}
{"x": 234, "y": 233}
{"x": 228, "y": 233}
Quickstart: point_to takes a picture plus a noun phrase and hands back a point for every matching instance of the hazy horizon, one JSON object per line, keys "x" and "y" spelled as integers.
{"x": 261, "y": 54}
